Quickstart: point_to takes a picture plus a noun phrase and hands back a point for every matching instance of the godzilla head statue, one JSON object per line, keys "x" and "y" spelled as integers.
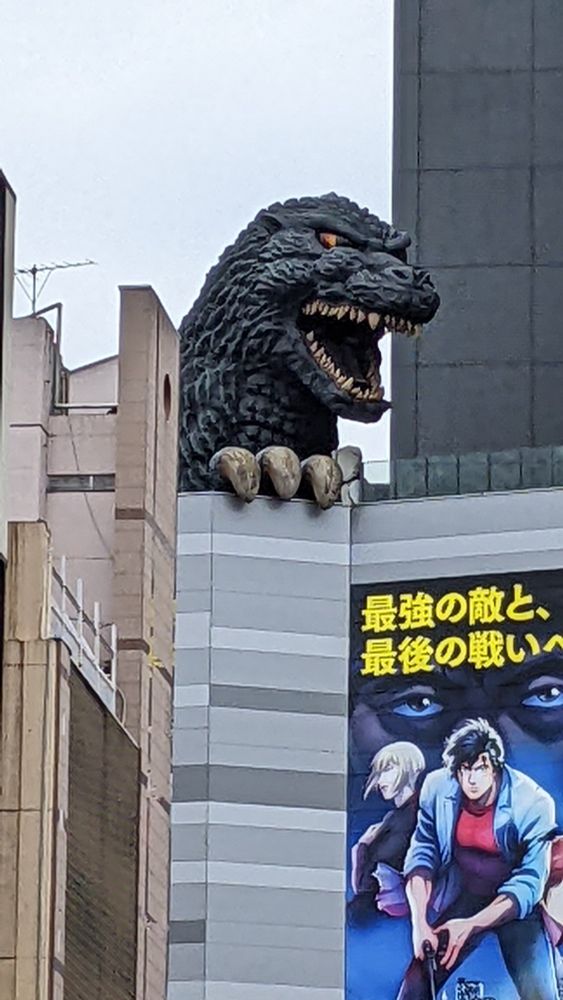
{"x": 284, "y": 336}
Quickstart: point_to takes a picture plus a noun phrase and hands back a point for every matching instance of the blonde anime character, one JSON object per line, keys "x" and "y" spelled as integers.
{"x": 378, "y": 856}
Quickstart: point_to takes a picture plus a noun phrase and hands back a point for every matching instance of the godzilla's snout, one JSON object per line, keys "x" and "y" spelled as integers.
{"x": 397, "y": 288}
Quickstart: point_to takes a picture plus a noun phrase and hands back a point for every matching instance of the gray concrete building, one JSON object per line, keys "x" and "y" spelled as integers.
{"x": 478, "y": 181}
{"x": 259, "y": 849}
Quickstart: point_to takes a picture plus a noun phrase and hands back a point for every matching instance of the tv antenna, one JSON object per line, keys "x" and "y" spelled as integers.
{"x": 26, "y": 275}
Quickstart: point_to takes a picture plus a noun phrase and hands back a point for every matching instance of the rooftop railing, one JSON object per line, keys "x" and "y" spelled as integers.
{"x": 92, "y": 643}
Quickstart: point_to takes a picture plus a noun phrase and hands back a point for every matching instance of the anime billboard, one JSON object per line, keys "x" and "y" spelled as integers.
{"x": 455, "y": 790}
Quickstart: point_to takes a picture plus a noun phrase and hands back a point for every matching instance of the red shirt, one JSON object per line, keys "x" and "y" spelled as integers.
{"x": 475, "y": 829}
{"x": 482, "y": 866}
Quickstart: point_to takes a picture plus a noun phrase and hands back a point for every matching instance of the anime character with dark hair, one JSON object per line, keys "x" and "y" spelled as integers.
{"x": 379, "y": 854}
{"x": 478, "y": 862}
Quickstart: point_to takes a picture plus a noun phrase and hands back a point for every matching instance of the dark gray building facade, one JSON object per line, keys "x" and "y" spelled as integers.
{"x": 478, "y": 181}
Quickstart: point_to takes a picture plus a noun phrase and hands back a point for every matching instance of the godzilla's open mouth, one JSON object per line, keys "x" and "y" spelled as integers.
{"x": 344, "y": 341}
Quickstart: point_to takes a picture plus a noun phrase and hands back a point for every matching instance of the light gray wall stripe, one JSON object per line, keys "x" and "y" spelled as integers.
{"x": 266, "y": 516}
{"x": 458, "y": 546}
{"x": 279, "y": 758}
{"x": 191, "y": 718}
{"x": 293, "y": 907}
{"x": 194, "y": 513}
{"x": 194, "y": 544}
{"x": 189, "y": 841}
{"x": 245, "y": 933}
{"x": 264, "y": 991}
{"x": 271, "y": 729}
{"x": 277, "y": 642}
{"x": 186, "y": 962}
{"x": 254, "y": 845}
{"x": 457, "y": 515}
{"x": 282, "y": 965}
{"x": 192, "y": 695}
{"x": 248, "y": 814}
{"x": 193, "y": 600}
{"x": 295, "y": 549}
{"x": 192, "y": 629}
{"x": 276, "y": 876}
{"x": 458, "y": 566}
{"x": 193, "y": 572}
{"x": 272, "y": 576}
{"x": 188, "y": 902}
{"x": 268, "y": 612}
{"x": 290, "y": 671}
{"x": 191, "y": 991}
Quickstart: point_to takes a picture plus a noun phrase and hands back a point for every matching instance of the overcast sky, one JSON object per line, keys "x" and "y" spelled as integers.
{"x": 144, "y": 135}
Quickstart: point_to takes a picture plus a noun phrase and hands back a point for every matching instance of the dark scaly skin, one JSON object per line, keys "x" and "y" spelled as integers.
{"x": 247, "y": 376}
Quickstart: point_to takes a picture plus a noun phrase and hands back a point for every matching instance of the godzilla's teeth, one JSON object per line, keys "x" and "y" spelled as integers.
{"x": 387, "y": 320}
{"x": 356, "y": 392}
{"x": 417, "y": 329}
{"x": 314, "y": 307}
{"x": 342, "y": 310}
{"x": 348, "y": 384}
{"x": 409, "y": 325}
{"x": 309, "y": 337}
{"x": 325, "y": 309}
{"x": 373, "y": 320}
{"x": 314, "y": 346}
{"x": 333, "y": 311}
{"x": 360, "y": 317}
{"x": 352, "y": 312}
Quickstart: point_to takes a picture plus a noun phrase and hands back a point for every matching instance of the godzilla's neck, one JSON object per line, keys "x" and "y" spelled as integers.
{"x": 252, "y": 409}
{"x": 282, "y": 411}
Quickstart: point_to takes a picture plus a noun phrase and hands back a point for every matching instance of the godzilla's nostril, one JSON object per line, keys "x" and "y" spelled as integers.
{"x": 401, "y": 274}
{"x": 423, "y": 278}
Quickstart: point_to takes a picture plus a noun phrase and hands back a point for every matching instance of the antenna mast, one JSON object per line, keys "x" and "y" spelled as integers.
{"x": 31, "y": 274}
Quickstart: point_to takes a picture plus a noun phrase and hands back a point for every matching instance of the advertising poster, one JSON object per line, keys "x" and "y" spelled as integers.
{"x": 455, "y": 790}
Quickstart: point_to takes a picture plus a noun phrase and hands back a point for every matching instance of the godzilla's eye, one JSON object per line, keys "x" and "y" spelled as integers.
{"x": 330, "y": 240}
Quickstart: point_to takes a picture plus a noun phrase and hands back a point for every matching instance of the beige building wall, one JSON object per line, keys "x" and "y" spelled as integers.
{"x": 100, "y": 469}
{"x": 33, "y": 786}
{"x": 7, "y": 216}
{"x": 145, "y": 542}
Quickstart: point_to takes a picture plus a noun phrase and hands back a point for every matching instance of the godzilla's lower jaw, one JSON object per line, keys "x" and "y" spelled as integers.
{"x": 343, "y": 341}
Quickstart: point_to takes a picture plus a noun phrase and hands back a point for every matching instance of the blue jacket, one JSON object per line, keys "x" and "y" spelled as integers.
{"x": 524, "y": 824}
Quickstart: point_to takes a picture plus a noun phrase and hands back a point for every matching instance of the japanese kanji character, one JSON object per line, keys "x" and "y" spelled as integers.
{"x": 416, "y": 611}
{"x": 379, "y": 613}
{"x": 379, "y": 657}
{"x": 485, "y": 605}
{"x": 486, "y": 649}
{"x": 451, "y": 651}
{"x": 451, "y": 607}
{"x": 415, "y": 654}
{"x": 554, "y": 643}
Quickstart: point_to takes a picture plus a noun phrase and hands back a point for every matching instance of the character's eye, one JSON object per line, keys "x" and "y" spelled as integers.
{"x": 330, "y": 240}
{"x": 419, "y": 706}
{"x": 550, "y": 696}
